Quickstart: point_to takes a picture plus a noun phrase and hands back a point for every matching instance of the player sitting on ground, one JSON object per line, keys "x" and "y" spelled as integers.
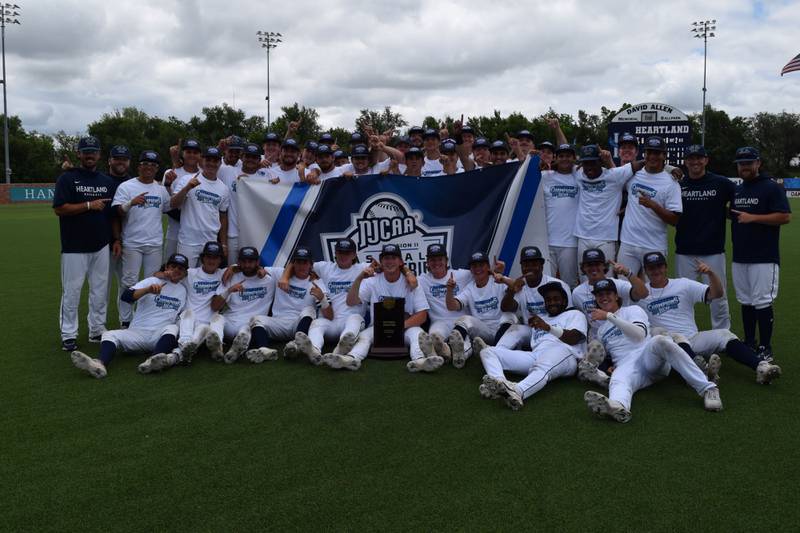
{"x": 153, "y": 327}
{"x": 639, "y": 359}
{"x": 558, "y": 340}
{"x": 670, "y": 306}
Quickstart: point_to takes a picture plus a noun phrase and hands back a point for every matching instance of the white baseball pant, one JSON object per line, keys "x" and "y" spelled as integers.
{"x": 685, "y": 268}
{"x": 564, "y": 263}
{"x": 233, "y": 250}
{"x": 138, "y": 339}
{"x": 711, "y": 341}
{"x": 192, "y": 253}
{"x": 281, "y": 328}
{"x": 756, "y": 284}
{"x": 134, "y": 258}
{"x": 633, "y": 257}
{"x": 233, "y": 326}
{"x": 362, "y": 346}
{"x": 483, "y": 329}
{"x": 196, "y": 331}
{"x": 517, "y": 337}
{"x": 323, "y": 330}
{"x": 651, "y": 364}
{"x": 609, "y": 248}
{"x": 442, "y": 327}
{"x": 171, "y": 238}
{"x": 539, "y": 368}
{"x": 75, "y": 268}
{"x": 115, "y": 272}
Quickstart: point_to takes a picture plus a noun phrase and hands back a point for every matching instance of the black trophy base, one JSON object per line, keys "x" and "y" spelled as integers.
{"x": 377, "y": 352}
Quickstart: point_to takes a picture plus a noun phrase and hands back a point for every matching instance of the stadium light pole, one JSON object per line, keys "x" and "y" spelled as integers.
{"x": 703, "y": 29}
{"x": 9, "y": 14}
{"x": 268, "y": 40}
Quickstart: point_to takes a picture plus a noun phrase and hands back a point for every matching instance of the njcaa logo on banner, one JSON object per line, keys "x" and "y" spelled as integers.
{"x": 387, "y": 218}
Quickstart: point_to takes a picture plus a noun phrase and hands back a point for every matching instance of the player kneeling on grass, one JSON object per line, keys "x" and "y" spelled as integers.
{"x": 248, "y": 292}
{"x": 153, "y": 328}
{"x": 639, "y": 359}
{"x": 558, "y": 340}
{"x": 199, "y": 324}
{"x": 670, "y": 306}
{"x": 394, "y": 281}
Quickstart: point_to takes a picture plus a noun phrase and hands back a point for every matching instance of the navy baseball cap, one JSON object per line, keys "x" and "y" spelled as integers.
{"x": 529, "y": 253}
{"x": 248, "y": 252}
{"x": 628, "y": 138}
{"x": 478, "y": 257}
{"x": 235, "y": 143}
{"x": 339, "y": 154}
{"x": 301, "y": 253}
{"x": 271, "y": 137}
{"x": 430, "y": 133}
{"x": 654, "y": 258}
{"x": 403, "y": 139}
{"x": 747, "y": 153}
{"x": 415, "y": 130}
{"x": 345, "y": 245}
{"x": 178, "y": 259}
{"x": 546, "y": 145}
{"x": 326, "y": 138}
{"x": 436, "y": 250}
{"x": 415, "y": 152}
{"x": 524, "y": 134}
{"x": 89, "y": 144}
{"x": 390, "y": 249}
{"x": 212, "y": 248}
{"x": 356, "y": 138}
{"x": 696, "y": 149}
{"x": 590, "y": 152}
{"x": 252, "y": 149}
{"x": 481, "y": 142}
{"x": 312, "y": 145}
{"x": 604, "y": 284}
{"x": 466, "y": 128}
{"x": 120, "y": 151}
{"x": 360, "y": 150}
{"x": 290, "y": 143}
{"x": 448, "y": 147}
{"x": 655, "y": 143}
{"x": 324, "y": 149}
{"x": 565, "y": 148}
{"x": 212, "y": 151}
{"x": 190, "y": 144}
{"x": 149, "y": 156}
{"x": 593, "y": 255}
{"x": 497, "y": 146}
{"x": 552, "y": 286}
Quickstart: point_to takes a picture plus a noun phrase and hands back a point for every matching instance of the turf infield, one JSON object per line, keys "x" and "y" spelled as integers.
{"x": 287, "y": 446}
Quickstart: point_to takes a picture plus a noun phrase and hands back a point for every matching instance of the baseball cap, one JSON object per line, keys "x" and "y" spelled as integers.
{"x": 436, "y": 250}
{"x": 360, "y": 150}
{"x": 271, "y": 137}
{"x": 478, "y": 257}
{"x": 448, "y": 147}
{"x": 546, "y": 145}
{"x": 430, "y": 133}
{"x": 565, "y": 148}
{"x": 403, "y": 139}
{"x": 178, "y": 259}
{"x": 302, "y": 253}
{"x": 235, "y": 143}
{"x": 326, "y": 138}
{"x": 248, "y": 252}
{"x": 480, "y": 142}
{"x": 604, "y": 284}
{"x": 654, "y": 258}
{"x": 190, "y": 144}
{"x": 324, "y": 149}
{"x": 212, "y": 248}
{"x": 655, "y": 143}
{"x": 149, "y": 156}
{"x": 590, "y": 152}
{"x": 252, "y": 149}
{"x": 390, "y": 249}
{"x": 593, "y": 255}
{"x": 497, "y": 146}
{"x": 120, "y": 151}
{"x": 529, "y": 253}
{"x": 356, "y": 138}
{"x": 345, "y": 245}
{"x": 415, "y": 152}
{"x": 312, "y": 145}
{"x": 552, "y": 286}
{"x": 290, "y": 143}
{"x": 628, "y": 138}
{"x": 415, "y": 130}
{"x": 747, "y": 153}
{"x": 466, "y": 128}
{"x": 524, "y": 134}
{"x": 89, "y": 144}
{"x": 212, "y": 151}
{"x": 339, "y": 154}
{"x": 696, "y": 149}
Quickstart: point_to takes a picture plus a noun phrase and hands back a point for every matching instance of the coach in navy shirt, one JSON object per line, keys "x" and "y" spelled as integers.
{"x": 759, "y": 209}
{"x": 700, "y": 232}
{"x": 82, "y": 201}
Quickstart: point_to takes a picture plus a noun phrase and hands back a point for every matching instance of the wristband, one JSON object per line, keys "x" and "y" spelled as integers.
{"x": 557, "y": 331}
{"x": 324, "y": 303}
{"x": 126, "y": 206}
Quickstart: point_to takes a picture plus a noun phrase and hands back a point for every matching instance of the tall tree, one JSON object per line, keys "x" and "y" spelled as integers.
{"x": 308, "y": 118}
{"x": 380, "y": 120}
{"x": 32, "y": 154}
{"x": 777, "y": 136}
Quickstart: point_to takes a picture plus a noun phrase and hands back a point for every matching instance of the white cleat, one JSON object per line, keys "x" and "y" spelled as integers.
{"x": 711, "y": 400}
{"x": 338, "y": 361}
{"x": 712, "y": 368}
{"x": 425, "y": 344}
{"x": 303, "y": 343}
{"x": 441, "y": 348}
{"x": 425, "y": 364}
{"x": 158, "y": 362}
{"x": 589, "y": 373}
{"x": 346, "y": 343}
{"x": 700, "y": 362}
{"x": 508, "y": 391}
{"x": 595, "y": 352}
{"x": 290, "y": 350}
{"x": 214, "y": 344}
{"x": 460, "y": 359}
{"x": 259, "y": 355}
{"x": 188, "y": 352}
{"x": 765, "y": 372}
{"x": 94, "y": 367}
{"x": 238, "y": 347}
{"x": 606, "y": 408}
{"x": 490, "y": 387}
{"x": 456, "y": 342}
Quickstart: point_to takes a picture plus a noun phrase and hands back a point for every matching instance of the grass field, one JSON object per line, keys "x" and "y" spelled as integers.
{"x": 286, "y": 446}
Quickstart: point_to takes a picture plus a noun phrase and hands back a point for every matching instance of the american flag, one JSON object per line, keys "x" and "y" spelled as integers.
{"x": 792, "y": 65}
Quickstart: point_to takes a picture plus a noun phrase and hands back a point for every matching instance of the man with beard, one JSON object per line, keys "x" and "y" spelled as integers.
{"x": 561, "y": 207}
{"x": 324, "y": 167}
{"x": 82, "y": 201}
{"x": 190, "y": 156}
{"x": 558, "y": 340}
{"x": 359, "y": 165}
{"x": 119, "y": 162}
{"x": 289, "y": 168}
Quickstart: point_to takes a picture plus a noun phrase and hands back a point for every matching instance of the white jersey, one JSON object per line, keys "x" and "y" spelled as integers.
{"x": 201, "y": 288}
{"x": 435, "y": 290}
{"x": 530, "y": 302}
{"x": 200, "y": 211}
{"x": 225, "y": 165}
{"x": 483, "y": 302}
{"x": 230, "y": 177}
{"x": 335, "y": 172}
{"x": 616, "y": 343}
{"x": 561, "y": 206}
{"x": 431, "y": 167}
{"x": 583, "y": 299}
{"x": 141, "y": 225}
{"x": 297, "y": 298}
{"x": 378, "y": 288}
{"x": 339, "y": 281}
{"x": 154, "y": 311}
{"x": 672, "y": 307}
{"x": 599, "y": 201}
{"x": 254, "y": 299}
{"x": 642, "y": 226}
{"x": 173, "y": 226}
{"x": 286, "y": 176}
{"x": 541, "y": 340}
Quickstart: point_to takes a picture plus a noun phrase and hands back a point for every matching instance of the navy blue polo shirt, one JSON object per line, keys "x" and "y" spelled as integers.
{"x": 753, "y": 242}
{"x": 701, "y": 226}
{"x": 89, "y": 231}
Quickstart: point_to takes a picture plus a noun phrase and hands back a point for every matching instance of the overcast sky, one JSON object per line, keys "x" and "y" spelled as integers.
{"x": 71, "y": 61}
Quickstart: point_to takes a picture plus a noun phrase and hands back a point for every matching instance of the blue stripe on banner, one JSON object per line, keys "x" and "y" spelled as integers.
{"x": 283, "y": 222}
{"x": 522, "y": 210}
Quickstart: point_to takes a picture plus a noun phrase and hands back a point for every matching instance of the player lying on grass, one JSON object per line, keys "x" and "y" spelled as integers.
{"x": 153, "y": 328}
{"x": 670, "y": 307}
{"x": 639, "y": 359}
{"x": 558, "y": 340}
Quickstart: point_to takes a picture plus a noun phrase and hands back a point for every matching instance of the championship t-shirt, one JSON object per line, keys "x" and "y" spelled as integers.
{"x": 642, "y": 226}
{"x": 201, "y": 288}
{"x": 286, "y": 176}
{"x": 141, "y": 225}
{"x": 154, "y": 311}
{"x": 754, "y": 242}
{"x": 200, "y": 210}
{"x": 339, "y": 281}
{"x": 335, "y": 172}
{"x": 484, "y": 302}
{"x": 531, "y": 303}
{"x": 88, "y": 231}
{"x": 561, "y": 206}
{"x": 435, "y": 290}
{"x": 583, "y": 299}
{"x": 616, "y": 343}
{"x": 672, "y": 307}
{"x": 378, "y": 288}
{"x": 174, "y": 226}
{"x": 541, "y": 340}
{"x": 297, "y": 298}
{"x": 254, "y": 299}
{"x": 599, "y": 201}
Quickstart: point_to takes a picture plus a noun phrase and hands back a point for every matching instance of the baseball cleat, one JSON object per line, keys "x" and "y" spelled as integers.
{"x": 304, "y": 345}
{"x": 425, "y": 364}
{"x": 238, "y": 347}
{"x": 700, "y": 362}
{"x": 290, "y": 350}
{"x": 440, "y": 347}
{"x": 711, "y": 400}
{"x": 606, "y": 408}
{"x": 460, "y": 358}
{"x": 588, "y": 372}
{"x": 214, "y": 344}
{"x": 508, "y": 391}
{"x": 69, "y": 345}
{"x": 346, "y": 343}
{"x": 158, "y": 362}
{"x": 96, "y": 339}
{"x": 712, "y": 368}
{"x": 456, "y": 342}
{"x": 425, "y": 344}
{"x": 259, "y": 355}
{"x": 490, "y": 387}
{"x": 766, "y": 372}
{"x": 188, "y": 351}
{"x": 764, "y": 353}
{"x": 595, "y": 352}
{"x": 94, "y": 367}
{"x": 337, "y": 361}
